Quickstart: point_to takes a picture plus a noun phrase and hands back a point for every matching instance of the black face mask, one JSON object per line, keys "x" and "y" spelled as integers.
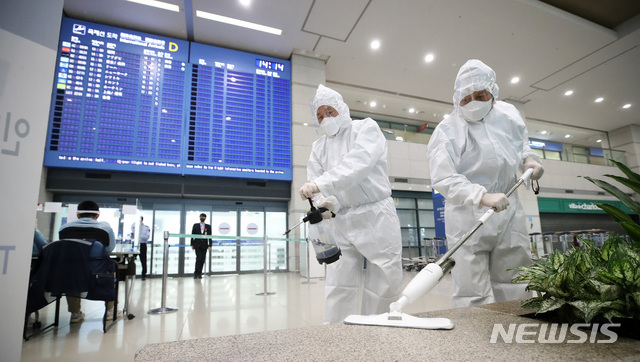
{"x": 202, "y": 219}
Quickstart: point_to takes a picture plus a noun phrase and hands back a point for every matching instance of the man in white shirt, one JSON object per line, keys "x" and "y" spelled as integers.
{"x": 143, "y": 239}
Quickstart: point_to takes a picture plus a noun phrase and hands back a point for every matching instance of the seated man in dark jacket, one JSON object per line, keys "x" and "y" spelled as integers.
{"x": 87, "y": 227}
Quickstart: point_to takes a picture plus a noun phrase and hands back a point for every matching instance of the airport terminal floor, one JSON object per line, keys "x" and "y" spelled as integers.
{"x": 220, "y": 305}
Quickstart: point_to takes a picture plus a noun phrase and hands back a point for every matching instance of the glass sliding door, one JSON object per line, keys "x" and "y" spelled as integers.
{"x": 251, "y": 250}
{"x": 191, "y": 217}
{"x": 238, "y": 230}
{"x": 165, "y": 220}
{"x": 223, "y": 254}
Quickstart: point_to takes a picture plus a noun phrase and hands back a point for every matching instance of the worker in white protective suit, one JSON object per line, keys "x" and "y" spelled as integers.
{"x": 347, "y": 173}
{"x": 474, "y": 157}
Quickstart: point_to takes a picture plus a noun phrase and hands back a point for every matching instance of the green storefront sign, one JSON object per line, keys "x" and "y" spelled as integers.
{"x": 576, "y": 206}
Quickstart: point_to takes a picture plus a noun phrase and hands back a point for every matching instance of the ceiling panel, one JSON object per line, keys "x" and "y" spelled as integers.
{"x": 335, "y": 18}
{"x": 131, "y": 15}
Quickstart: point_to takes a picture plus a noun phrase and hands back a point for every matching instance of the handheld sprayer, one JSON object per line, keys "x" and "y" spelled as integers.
{"x": 320, "y": 235}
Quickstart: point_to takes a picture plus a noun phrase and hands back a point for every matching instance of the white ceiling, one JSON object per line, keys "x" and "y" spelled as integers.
{"x": 551, "y": 51}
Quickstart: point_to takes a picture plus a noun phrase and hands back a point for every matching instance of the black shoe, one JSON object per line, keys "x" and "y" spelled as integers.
{"x": 195, "y": 277}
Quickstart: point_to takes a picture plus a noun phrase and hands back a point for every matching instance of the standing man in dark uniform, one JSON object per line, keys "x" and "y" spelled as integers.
{"x": 200, "y": 245}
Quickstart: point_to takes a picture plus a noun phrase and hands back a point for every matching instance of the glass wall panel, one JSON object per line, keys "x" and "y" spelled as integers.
{"x": 405, "y": 203}
{"x": 426, "y": 218}
{"x": 595, "y": 160}
{"x": 425, "y": 204}
{"x": 276, "y": 224}
{"x": 407, "y": 218}
{"x": 538, "y": 152}
{"x": 427, "y": 233}
{"x": 166, "y": 220}
{"x": 552, "y": 155}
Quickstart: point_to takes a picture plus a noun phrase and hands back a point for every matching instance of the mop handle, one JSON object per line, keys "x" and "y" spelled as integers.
{"x": 445, "y": 257}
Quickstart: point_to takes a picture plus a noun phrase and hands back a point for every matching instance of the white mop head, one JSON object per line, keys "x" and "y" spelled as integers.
{"x": 399, "y": 320}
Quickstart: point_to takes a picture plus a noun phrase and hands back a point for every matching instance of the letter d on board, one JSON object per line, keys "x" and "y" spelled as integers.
{"x": 173, "y": 47}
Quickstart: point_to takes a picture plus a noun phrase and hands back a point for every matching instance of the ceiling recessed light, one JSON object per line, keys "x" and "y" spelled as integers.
{"x": 429, "y": 58}
{"x": 375, "y": 44}
{"x": 567, "y": 136}
{"x": 598, "y": 141}
{"x": 628, "y": 105}
{"x": 157, "y": 4}
{"x": 411, "y": 110}
{"x": 237, "y": 22}
{"x": 544, "y": 132}
{"x": 245, "y": 3}
{"x": 515, "y": 80}
{"x": 599, "y": 99}
{"x": 373, "y": 103}
{"x": 568, "y": 93}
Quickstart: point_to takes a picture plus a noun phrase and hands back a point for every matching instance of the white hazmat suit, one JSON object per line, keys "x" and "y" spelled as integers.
{"x": 468, "y": 158}
{"x": 350, "y": 171}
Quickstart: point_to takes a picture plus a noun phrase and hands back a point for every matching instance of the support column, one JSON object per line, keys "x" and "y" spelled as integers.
{"x": 307, "y": 74}
{"x": 29, "y": 37}
{"x": 627, "y": 139}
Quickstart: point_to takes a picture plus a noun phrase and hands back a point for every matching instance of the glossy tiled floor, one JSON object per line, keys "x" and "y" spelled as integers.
{"x": 209, "y": 307}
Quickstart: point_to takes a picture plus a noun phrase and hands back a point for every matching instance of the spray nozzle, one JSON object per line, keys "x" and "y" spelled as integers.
{"x": 314, "y": 216}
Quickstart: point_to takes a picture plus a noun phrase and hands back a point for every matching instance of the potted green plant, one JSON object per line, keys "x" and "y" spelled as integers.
{"x": 592, "y": 284}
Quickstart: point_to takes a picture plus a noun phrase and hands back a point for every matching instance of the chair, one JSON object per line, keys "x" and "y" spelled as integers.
{"x": 72, "y": 267}
{"x": 86, "y": 233}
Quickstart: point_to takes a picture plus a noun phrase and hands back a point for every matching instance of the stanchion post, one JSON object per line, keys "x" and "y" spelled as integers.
{"x": 264, "y": 262}
{"x": 165, "y": 269}
{"x": 308, "y": 264}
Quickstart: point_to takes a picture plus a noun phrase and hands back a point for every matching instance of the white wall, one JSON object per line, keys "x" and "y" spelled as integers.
{"x": 560, "y": 176}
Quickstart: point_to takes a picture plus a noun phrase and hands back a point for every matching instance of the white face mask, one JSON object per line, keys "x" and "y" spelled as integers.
{"x": 476, "y": 110}
{"x": 330, "y": 126}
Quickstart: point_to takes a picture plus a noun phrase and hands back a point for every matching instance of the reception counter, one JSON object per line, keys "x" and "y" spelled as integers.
{"x": 470, "y": 339}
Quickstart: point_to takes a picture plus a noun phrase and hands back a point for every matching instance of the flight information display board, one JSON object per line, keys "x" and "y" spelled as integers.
{"x": 240, "y": 114}
{"x": 131, "y": 101}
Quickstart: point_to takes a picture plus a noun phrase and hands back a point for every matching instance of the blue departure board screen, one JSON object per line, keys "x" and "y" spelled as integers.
{"x": 130, "y": 101}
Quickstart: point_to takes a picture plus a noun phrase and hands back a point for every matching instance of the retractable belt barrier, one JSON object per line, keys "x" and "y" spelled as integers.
{"x": 165, "y": 262}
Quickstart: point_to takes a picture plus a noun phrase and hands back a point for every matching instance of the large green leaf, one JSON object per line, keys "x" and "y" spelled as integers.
{"x": 633, "y": 185}
{"x": 623, "y": 270}
{"x": 612, "y": 313}
{"x": 627, "y": 171}
{"x": 617, "y": 214}
{"x": 608, "y": 277}
{"x": 632, "y": 229}
{"x": 557, "y": 259}
{"x": 613, "y": 190}
{"x": 533, "y": 303}
{"x": 550, "y": 304}
{"x": 589, "y": 308}
{"x": 607, "y": 291}
{"x": 636, "y": 298}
